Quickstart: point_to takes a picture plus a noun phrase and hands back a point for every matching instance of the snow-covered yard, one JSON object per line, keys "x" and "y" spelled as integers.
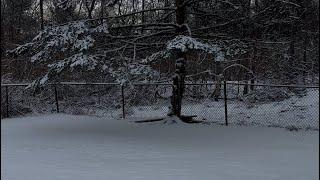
{"x": 298, "y": 112}
{"x": 68, "y": 147}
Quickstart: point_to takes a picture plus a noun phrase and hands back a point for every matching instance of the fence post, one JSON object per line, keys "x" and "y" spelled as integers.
{"x": 123, "y": 102}
{"x": 56, "y": 98}
{"x": 225, "y": 102}
{"x": 7, "y": 101}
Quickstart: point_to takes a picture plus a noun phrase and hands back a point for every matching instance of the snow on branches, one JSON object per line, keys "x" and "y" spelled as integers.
{"x": 64, "y": 4}
{"x": 69, "y": 39}
{"x": 184, "y": 44}
{"x": 64, "y": 47}
{"x": 220, "y": 49}
{"x": 133, "y": 72}
{"x": 75, "y": 45}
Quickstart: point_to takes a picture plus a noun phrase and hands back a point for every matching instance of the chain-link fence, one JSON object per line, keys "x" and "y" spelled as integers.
{"x": 237, "y": 103}
{"x": 17, "y": 100}
{"x": 147, "y": 100}
{"x": 72, "y": 98}
{"x": 292, "y": 107}
{"x": 90, "y": 99}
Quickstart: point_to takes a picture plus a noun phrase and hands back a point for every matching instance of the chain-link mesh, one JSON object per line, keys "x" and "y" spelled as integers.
{"x": 147, "y": 100}
{"x": 259, "y": 105}
{"x": 102, "y": 100}
{"x": 22, "y": 101}
{"x": 289, "y": 107}
{"x": 199, "y": 101}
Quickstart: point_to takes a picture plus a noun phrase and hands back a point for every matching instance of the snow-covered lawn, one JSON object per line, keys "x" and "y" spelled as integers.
{"x": 55, "y": 147}
{"x": 299, "y": 112}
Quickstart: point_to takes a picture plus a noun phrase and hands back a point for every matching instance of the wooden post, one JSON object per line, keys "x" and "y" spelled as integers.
{"x": 123, "y": 102}
{"x": 7, "y": 101}
{"x": 56, "y": 98}
{"x": 225, "y": 102}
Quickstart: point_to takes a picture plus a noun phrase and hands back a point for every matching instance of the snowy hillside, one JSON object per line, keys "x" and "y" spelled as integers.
{"x": 68, "y": 147}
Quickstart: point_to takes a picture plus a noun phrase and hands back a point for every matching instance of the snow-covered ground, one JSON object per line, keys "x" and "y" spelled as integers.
{"x": 56, "y": 147}
{"x": 294, "y": 112}
{"x": 275, "y": 107}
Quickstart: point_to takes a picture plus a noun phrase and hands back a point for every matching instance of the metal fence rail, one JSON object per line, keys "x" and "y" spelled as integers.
{"x": 145, "y": 100}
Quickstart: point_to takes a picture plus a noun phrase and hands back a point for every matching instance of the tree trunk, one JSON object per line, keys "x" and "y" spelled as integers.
{"x": 41, "y": 15}
{"x": 102, "y": 10}
{"x": 246, "y": 88}
{"x": 168, "y": 18}
{"x": 143, "y": 18}
{"x": 180, "y": 16}
{"x": 179, "y": 76}
{"x": 90, "y": 8}
{"x": 305, "y": 44}
{"x": 253, "y": 4}
{"x": 133, "y": 10}
{"x": 178, "y": 88}
{"x": 246, "y": 79}
{"x": 253, "y": 64}
{"x": 291, "y": 73}
{"x": 217, "y": 90}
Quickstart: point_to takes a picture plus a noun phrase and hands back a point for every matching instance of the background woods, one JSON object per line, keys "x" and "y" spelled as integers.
{"x": 277, "y": 41}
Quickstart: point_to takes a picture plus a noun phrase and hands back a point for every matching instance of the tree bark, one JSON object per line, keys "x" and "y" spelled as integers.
{"x": 217, "y": 90}
{"x": 143, "y": 18}
{"x": 102, "y": 10}
{"x": 41, "y": 15}
{"x": 179, "y": 76}
{"x": 253, "y": 64}
{"x": 180, "y": 16}
{"x": 291, "y": 73}
{"x": 305, "y": 44}
{"x": 90, "y": 8}
{"x": 178, "y": 87}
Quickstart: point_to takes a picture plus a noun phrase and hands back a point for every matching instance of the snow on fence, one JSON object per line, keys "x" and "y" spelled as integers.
{"x": 291, "y": 106}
